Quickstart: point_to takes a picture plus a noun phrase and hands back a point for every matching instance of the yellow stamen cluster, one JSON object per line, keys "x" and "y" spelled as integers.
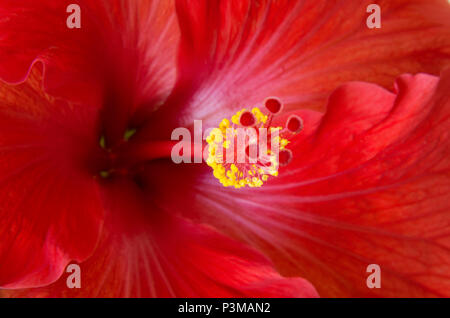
{"x": 260, "y": 117}
{"x": 236, "y": 174}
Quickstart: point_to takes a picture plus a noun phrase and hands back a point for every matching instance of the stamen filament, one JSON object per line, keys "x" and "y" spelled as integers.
{"x": 157, "y": 149}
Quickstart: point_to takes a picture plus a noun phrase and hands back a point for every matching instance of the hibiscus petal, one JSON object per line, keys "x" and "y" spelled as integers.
{"x": 113, "y": 60}
{"x": 236, "y": 53}
{"x": 31, "y": 31}
{"x": 369, "y": 184}
{"x": 143, "y": 253}
{"x": 50, "y": 211}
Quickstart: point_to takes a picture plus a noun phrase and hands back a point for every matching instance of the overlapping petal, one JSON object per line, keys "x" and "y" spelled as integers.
{"x": 122, "y": 58}
{"x": 236, "y": 53}
{"x": 369, "y": 184}
{"x": 50, "y": 210}
{"x": 152, "y": 253}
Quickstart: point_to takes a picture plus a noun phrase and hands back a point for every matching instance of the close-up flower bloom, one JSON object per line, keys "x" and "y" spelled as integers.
{"x": 86, "y": 175}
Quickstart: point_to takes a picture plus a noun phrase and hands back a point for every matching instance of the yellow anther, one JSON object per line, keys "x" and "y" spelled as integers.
{"x": 235, "y": 174}
{"x": 225, "y": 123}
{"x": 259, "y": 115}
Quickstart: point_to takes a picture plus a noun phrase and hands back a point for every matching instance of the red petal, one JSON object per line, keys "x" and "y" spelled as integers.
{"x": 147, "y": 254}
{"x": 236, "y": 53}
{"x": 31, "y": 31}
{"x": 369, "y": 184}
{"x": 50, "y": 211}
{"x": 123, "y": 56}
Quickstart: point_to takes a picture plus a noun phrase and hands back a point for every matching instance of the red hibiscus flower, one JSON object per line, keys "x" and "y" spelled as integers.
{"x": 86, "y": 117}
